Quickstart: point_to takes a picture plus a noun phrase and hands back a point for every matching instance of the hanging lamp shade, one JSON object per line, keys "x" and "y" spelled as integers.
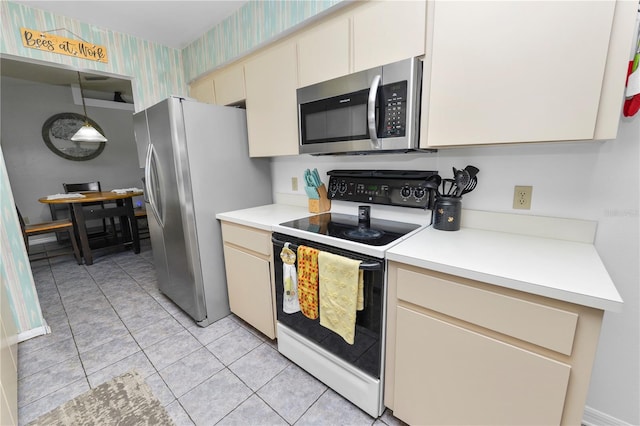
{"x": 86, "y": 133}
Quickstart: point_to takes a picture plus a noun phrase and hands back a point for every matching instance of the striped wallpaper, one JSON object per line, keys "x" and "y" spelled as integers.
{"x": 253, "y": 25}
{"x": 15, "y": 271}
{"x": 156, "y": 70}
{"x": 159, "y": 71}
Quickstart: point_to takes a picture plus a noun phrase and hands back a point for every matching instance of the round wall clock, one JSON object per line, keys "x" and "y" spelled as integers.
{"x": 58, "y": 130}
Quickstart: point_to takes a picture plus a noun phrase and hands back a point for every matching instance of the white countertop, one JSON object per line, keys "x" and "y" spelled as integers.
{"x": 563, "y": 270}
{"x": 265, "y": 217}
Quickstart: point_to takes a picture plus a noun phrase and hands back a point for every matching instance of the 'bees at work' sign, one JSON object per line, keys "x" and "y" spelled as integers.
{"x": 64, "y": 46}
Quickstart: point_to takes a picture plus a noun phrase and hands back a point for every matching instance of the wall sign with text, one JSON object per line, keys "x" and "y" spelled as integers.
{"x": 64, "y": 46}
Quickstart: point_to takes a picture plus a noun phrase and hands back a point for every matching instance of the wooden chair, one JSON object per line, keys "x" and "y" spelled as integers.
{"x": 91, "y": 187}
{"x": 141, "y": 216}
{"x": 48, "y": 228}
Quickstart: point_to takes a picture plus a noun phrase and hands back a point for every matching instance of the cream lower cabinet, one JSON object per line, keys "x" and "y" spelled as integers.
{"x": 465, "y": 352}
{"x": 248, "y": 264}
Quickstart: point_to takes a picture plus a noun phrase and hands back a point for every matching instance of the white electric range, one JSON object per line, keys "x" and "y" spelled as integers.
{"x": 372, "y": 210}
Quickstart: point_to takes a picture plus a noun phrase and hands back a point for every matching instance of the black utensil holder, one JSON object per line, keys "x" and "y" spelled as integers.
{"x": 446, "y": 213}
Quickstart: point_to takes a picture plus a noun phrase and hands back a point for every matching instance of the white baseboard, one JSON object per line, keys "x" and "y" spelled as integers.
{"x": 34, "y": 332}
{"x": 593, "y": 417}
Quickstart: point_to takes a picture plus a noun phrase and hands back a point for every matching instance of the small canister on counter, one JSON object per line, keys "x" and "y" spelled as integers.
{"x": 446, "y": 213}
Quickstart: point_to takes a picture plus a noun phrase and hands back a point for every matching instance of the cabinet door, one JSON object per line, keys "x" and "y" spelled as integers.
{"x": 446, "y": 374}
{"x": 249, "y": 286}
{"x": 513, "y": 71}
{"x": 323, "y": 52}
{"x": 387, "y": 31}
{"x": 203, "y": 90}
{"x": 272, "y": 118}
{"x": 229, "y": 85}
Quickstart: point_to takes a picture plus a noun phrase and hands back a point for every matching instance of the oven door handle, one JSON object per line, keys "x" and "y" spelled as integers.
{"x": 365, "y": 266}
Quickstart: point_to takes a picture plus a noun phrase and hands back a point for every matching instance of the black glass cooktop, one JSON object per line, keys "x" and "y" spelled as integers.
{"x": 378, "y": 232}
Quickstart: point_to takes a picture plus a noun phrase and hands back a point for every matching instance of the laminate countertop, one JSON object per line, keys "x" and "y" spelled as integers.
{"x": 560, "y": 269}
{"x": 265, "y": 217}
{"x": 564, "y": 270}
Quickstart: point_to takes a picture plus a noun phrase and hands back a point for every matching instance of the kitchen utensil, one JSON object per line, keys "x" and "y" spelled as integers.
{"x": 433, "y": 182}
{"x": 470, "y": 186}
{"x": 312, "y": 192}
{"x": 472, "y": 170}
{"x": 462, "y": 180}
{"x": 316, "y": 177}
{"x": 448, "y": 187}
{"x": 309, "y": 179}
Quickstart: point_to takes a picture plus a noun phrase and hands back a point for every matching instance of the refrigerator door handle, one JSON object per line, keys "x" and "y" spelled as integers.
{"x": 150, "y": 182}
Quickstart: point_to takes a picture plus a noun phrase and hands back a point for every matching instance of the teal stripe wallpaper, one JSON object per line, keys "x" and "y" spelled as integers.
{"x": 159, "y": 71}
{"x": 15, "y": 271}
{"x": 254, "y": 24}
{"x": 156, "y": 70}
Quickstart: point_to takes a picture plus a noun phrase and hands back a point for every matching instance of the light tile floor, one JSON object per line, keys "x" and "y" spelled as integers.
{"x": 109, "y": 318}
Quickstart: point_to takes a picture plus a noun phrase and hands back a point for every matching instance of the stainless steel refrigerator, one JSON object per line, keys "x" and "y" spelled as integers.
{"x": 197, "y": 164}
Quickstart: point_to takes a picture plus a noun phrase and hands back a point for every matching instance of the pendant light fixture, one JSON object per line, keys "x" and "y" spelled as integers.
{"x": 86, "y": 133}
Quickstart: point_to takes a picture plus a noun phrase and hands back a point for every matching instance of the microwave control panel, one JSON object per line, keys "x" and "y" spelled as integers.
{"x": 404, "y": 188}
{"x": 393, "y": 98}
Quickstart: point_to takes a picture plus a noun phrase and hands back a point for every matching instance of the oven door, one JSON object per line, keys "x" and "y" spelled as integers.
{"x": 366, "y": 352}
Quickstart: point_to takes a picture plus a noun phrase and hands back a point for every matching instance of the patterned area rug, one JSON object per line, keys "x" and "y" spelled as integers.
{"x": 124, "y": 400}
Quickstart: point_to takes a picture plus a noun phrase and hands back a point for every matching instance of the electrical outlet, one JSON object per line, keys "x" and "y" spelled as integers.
{"x": 294, "y": 183}
{"x": 522, "y": 197}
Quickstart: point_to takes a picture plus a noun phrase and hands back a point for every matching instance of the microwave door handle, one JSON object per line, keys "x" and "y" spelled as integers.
{"x": 371, "y": 111}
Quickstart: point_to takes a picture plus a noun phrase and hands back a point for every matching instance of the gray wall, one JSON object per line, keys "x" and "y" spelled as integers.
{"x": 34, "y": 170}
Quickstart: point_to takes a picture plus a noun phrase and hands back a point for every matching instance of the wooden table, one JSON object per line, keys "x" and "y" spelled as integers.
{"x": 123, "y": 209}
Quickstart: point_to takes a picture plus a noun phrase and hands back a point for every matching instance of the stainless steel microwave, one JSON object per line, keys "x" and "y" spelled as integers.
{"x": 371, "y": 111}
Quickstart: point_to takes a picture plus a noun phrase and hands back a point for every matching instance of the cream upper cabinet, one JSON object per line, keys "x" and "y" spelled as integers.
{"x": 323, "y": 52}
{"x": 387, "y": 31}
{"x": 229, "y": 85}
{"x": 514, "y": 71}
{"x": 203, "y": 90}
{"x": 272, "y": 119}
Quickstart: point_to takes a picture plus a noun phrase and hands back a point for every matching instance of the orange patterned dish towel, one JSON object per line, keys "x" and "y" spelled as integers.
{"x": 308, "y": 281}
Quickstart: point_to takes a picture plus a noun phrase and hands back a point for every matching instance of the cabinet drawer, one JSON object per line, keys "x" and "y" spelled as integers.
{"x": 532, "y": 322}
{"x": 249, "y": 238}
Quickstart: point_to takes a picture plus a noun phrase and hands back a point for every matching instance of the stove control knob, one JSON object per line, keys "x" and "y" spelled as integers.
{"x": 419, "y": 193}
{"x": 405, "y": 192}
{"x": 342, "y": 187}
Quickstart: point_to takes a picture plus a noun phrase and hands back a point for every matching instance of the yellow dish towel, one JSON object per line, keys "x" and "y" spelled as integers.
{"x": 339, "y": 281}
{"x": 308, "y": 281}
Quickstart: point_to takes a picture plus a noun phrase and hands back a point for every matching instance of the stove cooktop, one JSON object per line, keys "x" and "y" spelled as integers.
{"x": 380, "y": 232}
